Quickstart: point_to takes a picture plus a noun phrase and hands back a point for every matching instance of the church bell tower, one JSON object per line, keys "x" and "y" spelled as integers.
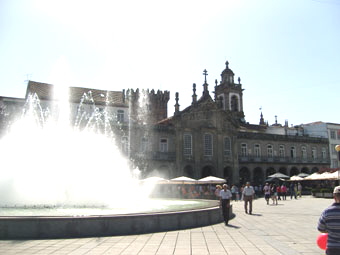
{"x": 230, "y": 94}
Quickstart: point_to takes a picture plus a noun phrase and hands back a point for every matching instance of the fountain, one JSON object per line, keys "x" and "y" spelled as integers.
{"x": 70, "y": 180}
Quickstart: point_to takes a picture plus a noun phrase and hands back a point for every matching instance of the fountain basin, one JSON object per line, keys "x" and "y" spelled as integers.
{"x": 35, "y": 227}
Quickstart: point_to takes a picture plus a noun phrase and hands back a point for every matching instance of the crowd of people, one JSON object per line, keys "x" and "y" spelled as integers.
{"x": 272, "y": 190}
{"x": 210, "y": 191}
{"x": 329, "y": 221}
{"x": 247, "y": 193}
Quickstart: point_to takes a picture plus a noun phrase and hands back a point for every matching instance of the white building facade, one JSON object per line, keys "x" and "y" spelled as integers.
{"x": 326, "y": 130}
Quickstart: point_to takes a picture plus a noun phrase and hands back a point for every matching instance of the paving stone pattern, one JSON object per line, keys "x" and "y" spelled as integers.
{"x": 287, "y": 228}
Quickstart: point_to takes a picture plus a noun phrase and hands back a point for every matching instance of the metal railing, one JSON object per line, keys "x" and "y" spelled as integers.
{"x": 277, "y": 159}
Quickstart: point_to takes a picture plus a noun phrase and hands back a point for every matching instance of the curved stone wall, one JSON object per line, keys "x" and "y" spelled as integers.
{"x": 89, "y": 226}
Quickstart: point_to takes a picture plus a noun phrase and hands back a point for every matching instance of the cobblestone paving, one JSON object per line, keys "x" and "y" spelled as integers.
{"x": 286, "y": 228}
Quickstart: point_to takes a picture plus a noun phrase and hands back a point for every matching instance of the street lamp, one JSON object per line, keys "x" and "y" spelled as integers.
{"x": 337, "y": 148}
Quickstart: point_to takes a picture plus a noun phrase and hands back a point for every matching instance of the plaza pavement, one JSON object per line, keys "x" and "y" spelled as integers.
{"x": 286, "y": 228}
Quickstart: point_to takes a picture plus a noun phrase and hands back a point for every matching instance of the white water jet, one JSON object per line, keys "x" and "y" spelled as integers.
{"x": 48, "y": 162}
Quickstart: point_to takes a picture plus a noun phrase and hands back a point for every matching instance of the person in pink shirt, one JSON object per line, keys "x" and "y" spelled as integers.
{"x": 284, "y": 192}
{"x": 278, "y": 190}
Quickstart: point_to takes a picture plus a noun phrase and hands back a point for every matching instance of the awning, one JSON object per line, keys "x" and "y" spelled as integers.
{"x": 183, "y": 180}
{"x": 212, "y": 180}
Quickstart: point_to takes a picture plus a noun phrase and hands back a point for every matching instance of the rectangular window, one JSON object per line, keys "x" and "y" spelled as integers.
{"x": 270, "y": 151}
{"x": 282, "y": 151}
{"x": 187, "y": 145}
{"x": 332, "y": 134}
{"x": 164, "y": 145}
{"x": 244, "y": 149}
{"x": 120, "y": 116}
{"x": 314, "y": 154}
{"x": 208, "y": 145}
{"x": 227, "y": 147}
{"x": 324, "y": 154}
{"x": 292, "y": 152}
{"x": 144, "y": 144}
{"x": 257, "y": 150}
{"x": 303, "y": 152}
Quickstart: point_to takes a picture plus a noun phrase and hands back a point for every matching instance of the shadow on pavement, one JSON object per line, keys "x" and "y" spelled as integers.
{"x": 255, "y": 214}
{"x": 232, "y": 226}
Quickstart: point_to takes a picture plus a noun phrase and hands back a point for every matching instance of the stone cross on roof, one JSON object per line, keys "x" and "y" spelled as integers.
{"x": 205, "y": 73}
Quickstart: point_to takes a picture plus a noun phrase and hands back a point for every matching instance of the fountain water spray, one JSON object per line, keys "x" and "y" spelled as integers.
{"x": 46, "y": 161}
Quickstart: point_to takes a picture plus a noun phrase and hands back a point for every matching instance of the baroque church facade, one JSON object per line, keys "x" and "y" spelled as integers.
{"x": 209, "y": 137}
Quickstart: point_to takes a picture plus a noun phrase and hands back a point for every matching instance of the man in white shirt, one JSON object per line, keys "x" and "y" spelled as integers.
{"x": 248, "y": 196}
{"x": 225, "y": 196}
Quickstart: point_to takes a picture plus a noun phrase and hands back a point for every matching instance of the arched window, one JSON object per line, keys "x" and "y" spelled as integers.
{"x": 244, "y": 150}
{"x": 257, "y": 150}
{"x": 292, "y": 152}
{"x": 187, "y": 144}
{"x": 234, "y": 103}
{"x": 314, "y": 154}
{"x": 270, "y": 151}
{"x": 189, "y": 171}
{"x": 304, "y": 152}
{"x": 208, "y": 145}
{"x": 221, "y": 102}
{"x": 282, "y": 151}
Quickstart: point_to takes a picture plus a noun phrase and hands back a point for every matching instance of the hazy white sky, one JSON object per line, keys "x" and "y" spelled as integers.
{"x": 287, "y": 52}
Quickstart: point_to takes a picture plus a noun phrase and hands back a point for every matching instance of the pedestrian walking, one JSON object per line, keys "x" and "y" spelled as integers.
{"x": 266, "y": 191}
{"x": 278, "y": 190}
{"x": 299, "y": 190}
{"x": 225, "y": 196}
{"x": 292, "y": 191}
{"x": 248, "y": 196}
{"x": 283, "y": 191}
{"x": 329, "y": 222}
{"x": 273, "y": 193}
{"x": 218, "y": 191}
{"x": 241, "y": 192}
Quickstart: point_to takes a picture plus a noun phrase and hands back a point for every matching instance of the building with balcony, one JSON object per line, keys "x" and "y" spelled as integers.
{"x": 209, "y": 137}
{"x": 331, "y": 131}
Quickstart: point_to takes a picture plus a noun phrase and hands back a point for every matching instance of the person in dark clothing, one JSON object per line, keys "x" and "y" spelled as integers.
{"x": 292, "y": 191}
{"x": 225, "y": 196}
{"x": 329, "y": 222}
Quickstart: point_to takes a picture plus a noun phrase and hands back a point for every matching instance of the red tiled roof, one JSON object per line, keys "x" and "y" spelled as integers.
{"x": 45, "y": 92}
{"x": 166, "y": 121}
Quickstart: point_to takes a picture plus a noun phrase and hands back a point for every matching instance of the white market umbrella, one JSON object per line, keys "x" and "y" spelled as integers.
{"x": 314, "y": 176}
{"x": 335, "y": 175}
{"x": 212, "y": 180}
{"x": 183, "y": 180}
{"x": 303, "y": 175}
{"x": 296, "y": 178}
{"x": 278, "y": 175}
{"x": 329, "y": 176}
